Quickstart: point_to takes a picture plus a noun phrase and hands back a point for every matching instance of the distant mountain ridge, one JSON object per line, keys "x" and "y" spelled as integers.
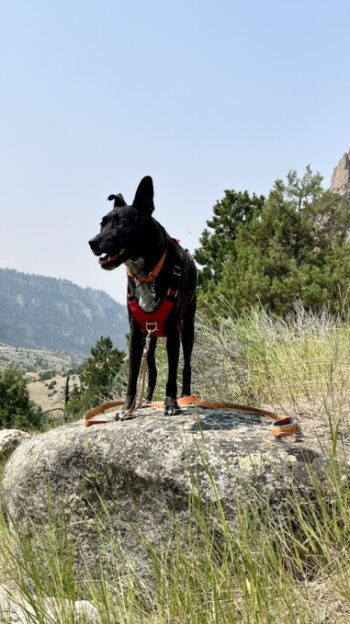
{"x": 50, "y": 313}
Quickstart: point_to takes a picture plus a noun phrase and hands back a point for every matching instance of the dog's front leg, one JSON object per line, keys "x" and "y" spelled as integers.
{"x": 171, "y": 406}
{"x": 152, "y": 370}
{"x": 136, "y": 343}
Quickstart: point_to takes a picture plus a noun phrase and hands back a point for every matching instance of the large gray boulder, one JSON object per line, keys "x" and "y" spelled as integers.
{"x": 115, "y": 482}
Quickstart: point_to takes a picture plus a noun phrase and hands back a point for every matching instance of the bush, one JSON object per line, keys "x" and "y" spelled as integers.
{"x": 48, "y": 374}
{"x": 16, "y": 408}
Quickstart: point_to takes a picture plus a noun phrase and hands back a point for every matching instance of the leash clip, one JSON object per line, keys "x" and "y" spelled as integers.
{"x": 286, "y": 427}
{"x": 151, "y": 326}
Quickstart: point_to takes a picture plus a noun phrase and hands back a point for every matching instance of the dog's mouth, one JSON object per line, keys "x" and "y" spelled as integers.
{"x": 111, "y": 262}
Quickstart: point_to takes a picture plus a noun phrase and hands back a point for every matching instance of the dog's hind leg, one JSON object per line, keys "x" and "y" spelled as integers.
{"x": 187, "y": 340}
{"x": 171, "y": 406}
{"x": 152, "y": 370}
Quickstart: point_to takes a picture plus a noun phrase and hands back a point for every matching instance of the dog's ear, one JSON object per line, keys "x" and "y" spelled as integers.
{"x": 119, "y": 200}
{"x": 143, "y": 201}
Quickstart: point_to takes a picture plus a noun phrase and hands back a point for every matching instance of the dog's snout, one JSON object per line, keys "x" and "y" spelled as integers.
{"x": 94, "y": 245}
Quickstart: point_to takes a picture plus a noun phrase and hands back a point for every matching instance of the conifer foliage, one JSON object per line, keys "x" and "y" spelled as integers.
{"x": 292, "y": 247}
{"x": 234, "y": 209}
{"x": 16, "y": 408}
{"x": 97, "y": 377}
{"x": 101, "y": 368}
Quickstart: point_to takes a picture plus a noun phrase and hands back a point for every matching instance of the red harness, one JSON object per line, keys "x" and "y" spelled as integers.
{"x": 153, "y": 322}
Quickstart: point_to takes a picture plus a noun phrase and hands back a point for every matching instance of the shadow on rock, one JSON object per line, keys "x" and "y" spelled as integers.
{"x": 227, "y": 420}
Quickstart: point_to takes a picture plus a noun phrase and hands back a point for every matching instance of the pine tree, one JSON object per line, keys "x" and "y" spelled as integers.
{"x": 101, "y": 368}
{"x": 294, "y": 249}
{"x": 16, "y": 408}
{"x": 96, "y": 378}
{"x": 217, "y": 242}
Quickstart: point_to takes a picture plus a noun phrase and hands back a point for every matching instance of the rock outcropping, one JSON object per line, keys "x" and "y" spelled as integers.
{"x": 9, "y": 440}
{"x": 123, "y": 484}
{"x": 16, "y": 609}
{"x": 341, "y": 177}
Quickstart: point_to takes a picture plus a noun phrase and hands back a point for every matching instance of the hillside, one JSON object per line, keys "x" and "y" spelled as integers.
{"x": 55, "y": 314}
{"x": 49, "y": 393}
{"x": 39, "y": 360}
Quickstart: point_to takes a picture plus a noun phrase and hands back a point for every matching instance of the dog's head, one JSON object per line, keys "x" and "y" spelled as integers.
{"x": 122, "y": 228}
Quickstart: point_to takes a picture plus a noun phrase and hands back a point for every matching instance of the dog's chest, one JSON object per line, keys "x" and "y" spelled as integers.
{"x": 146, "y": 296}
{"x": 144, "y": 292}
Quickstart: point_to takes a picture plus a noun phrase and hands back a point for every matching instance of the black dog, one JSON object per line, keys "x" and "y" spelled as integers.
{"x": 161, "y": 290}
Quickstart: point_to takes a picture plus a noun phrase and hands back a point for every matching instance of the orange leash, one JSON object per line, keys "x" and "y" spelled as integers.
{"x": 281, "y": 427}
{"x": 99, "y": 410}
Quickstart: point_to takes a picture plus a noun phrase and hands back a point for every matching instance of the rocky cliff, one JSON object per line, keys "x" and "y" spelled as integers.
{"x": 55, "y": 314}
{"x": 341, "y": 177}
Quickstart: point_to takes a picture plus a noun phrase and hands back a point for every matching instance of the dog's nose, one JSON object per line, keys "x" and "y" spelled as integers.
{"x": 94, "y": 246}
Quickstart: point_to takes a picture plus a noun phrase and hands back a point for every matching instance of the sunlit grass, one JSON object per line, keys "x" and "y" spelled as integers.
{"x": 299, "y": 364}
{"x": 264, "y": 570}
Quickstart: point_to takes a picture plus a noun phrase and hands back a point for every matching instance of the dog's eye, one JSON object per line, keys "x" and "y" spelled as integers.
{"x": 103, "y": 222}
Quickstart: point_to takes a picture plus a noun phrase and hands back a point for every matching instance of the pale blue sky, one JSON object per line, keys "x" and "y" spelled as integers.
{"x": 202, "y": 95}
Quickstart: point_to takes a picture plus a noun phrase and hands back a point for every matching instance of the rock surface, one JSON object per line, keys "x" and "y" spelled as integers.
{"x": 15, "y": 609}
{"x": 341, "y": 177}
{"x": 144, "y": 470}
{"x": 9, "y": 440}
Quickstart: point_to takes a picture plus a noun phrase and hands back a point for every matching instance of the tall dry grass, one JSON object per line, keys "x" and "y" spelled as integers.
{"x": 265, "y": 572}
{"x": 298, "y": 365}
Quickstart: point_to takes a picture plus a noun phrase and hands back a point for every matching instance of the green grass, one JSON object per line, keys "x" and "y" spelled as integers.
{"x": 300, "y": 364}
{"x": 267, "y": 570}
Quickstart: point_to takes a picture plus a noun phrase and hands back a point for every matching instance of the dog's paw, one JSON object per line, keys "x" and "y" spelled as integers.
{"x": 125, "y": 414}
{"x": 171, "y": 407}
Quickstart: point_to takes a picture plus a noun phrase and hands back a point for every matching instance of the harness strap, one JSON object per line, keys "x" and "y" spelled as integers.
{"x": 146, "y": 279}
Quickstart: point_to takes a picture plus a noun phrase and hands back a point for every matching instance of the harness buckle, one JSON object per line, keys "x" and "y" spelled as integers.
{"x": 177, "y": 270}
{"x": 151, "y": 326}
